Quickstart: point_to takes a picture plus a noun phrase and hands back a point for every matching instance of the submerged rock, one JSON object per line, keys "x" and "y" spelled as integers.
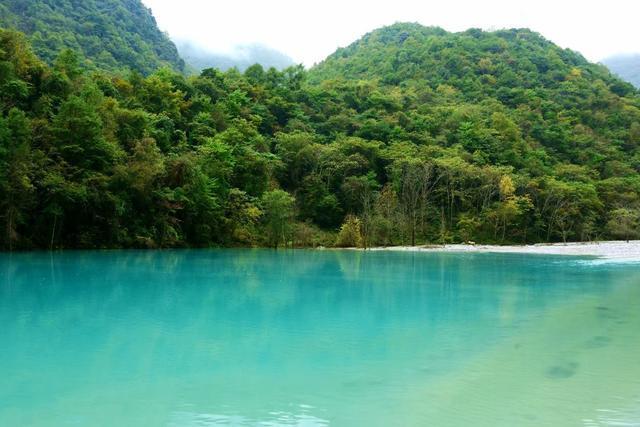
{"x": 565, "y": 370}
{"x": 598, "y": 342}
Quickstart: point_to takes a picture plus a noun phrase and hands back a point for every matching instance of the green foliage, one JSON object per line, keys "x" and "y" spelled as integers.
{"x": 624, "y": 223}
{"x": 350, "y": 235}
{"x": 410, "y": 136}
{"x": 277, "y": 207}
{"x": 16, "y": 172}
{"x": 108, "y": 34}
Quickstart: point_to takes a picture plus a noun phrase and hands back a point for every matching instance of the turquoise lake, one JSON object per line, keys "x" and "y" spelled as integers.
{"x": 317, "y": 338}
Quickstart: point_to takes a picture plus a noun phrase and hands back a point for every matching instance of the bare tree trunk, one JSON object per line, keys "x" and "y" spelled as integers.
{"x": 443, "y": 224}
{"x": 504, "y": 229}
{"x": 413, "y": 232}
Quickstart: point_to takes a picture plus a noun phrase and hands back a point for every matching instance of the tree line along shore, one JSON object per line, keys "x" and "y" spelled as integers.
{"x": 412, "y": 135}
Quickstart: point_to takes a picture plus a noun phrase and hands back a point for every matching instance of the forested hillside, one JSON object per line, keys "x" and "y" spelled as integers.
{"x": 108, "y": 34}
{"x": 625, "y": 66}
{"x": 411, "y": 135}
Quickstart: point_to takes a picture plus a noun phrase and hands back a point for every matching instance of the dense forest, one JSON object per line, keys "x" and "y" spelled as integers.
{"x": 411, "y": 135}
{"x": 625, "y": 66}
{"x": 107, "y": 34}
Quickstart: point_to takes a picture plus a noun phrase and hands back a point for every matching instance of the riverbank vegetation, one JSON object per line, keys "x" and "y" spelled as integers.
{"x": 411, "y": 135}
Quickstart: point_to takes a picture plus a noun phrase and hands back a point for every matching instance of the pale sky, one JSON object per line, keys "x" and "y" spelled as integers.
{"x": 309, "y": 31}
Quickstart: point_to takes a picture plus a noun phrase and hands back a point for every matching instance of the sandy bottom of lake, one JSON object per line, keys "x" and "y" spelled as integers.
{"x": 615, "y": 250}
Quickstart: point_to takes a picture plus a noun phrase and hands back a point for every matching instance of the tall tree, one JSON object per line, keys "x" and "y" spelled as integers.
{"x": 277, "y": 207}
{"x": 414, "y": 180}
{"x": 16, "y": 188}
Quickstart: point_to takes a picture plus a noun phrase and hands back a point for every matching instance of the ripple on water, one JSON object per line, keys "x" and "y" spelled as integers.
{"x": 275, "y": 418}
{"x": 628, "y": 417}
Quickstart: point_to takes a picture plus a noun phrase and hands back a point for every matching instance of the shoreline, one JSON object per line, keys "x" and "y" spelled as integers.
{"x": 621, "y": 251}
{"x": 610, "y": 250}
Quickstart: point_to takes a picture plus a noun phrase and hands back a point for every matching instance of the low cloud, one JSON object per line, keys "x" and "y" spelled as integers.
{"x": 241, "y": 57}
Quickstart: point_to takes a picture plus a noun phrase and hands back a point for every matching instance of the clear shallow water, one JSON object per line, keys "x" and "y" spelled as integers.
{"x": 310, "y": 338}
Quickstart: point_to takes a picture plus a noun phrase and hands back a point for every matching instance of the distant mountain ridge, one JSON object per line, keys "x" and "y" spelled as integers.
{"x": 625, "y": 66}
{"x": 242, "y": 57}
{"x": 109, "y": 34}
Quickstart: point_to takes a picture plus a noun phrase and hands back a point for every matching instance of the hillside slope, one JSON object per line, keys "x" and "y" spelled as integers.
{"x": 572, "y": 110}
{"x": 412, "y": 135}
{"x": 109, "y": 34}
{"x": 406, "y": 52}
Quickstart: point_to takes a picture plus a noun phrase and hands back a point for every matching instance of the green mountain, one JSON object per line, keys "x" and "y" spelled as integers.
{"x": 625, "y": 66}
{"x": 404, "y": 53}
{"x": 411, "y": 135}
{"x": 450, "y": 86}
{"x": 109, "y": 34}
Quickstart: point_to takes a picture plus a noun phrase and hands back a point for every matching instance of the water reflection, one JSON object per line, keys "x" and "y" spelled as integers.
{"x": 248, "y": 332}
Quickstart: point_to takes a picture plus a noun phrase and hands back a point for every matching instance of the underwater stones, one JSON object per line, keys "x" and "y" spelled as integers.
{"x": 606, "y": 313}
{"x": 360, "y": 383}
{"x": 562, "y": 371}
{"x": 598, "y": 342}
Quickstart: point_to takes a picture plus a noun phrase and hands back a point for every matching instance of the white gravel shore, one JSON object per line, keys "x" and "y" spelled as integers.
{"x": 618, "y": 250}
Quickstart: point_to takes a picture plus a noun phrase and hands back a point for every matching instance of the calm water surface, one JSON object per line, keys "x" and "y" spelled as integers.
{"x": 311, "y": 338}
